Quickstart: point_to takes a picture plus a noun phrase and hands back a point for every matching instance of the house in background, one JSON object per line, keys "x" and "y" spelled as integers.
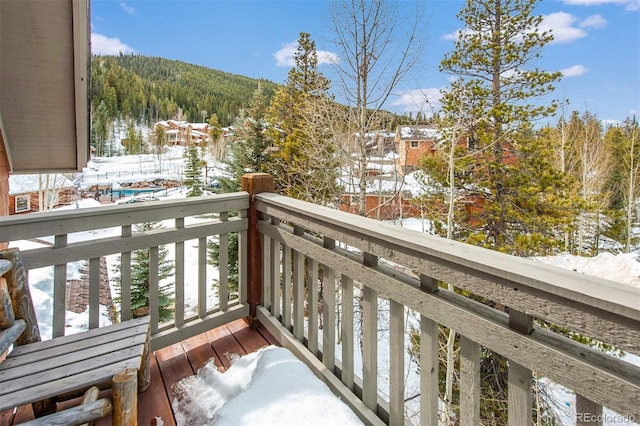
{"x": 27, "y": 193}
{"x": 412, "y": 143}
{"x": 183, "y": 133}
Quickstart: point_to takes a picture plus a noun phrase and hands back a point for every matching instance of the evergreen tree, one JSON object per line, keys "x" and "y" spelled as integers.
{"x": 100, "y": 120}
{"x": 305, "y": 164}
{"x": 133, "y": 142}
{"x": 518, "y": 192}
{"x": 624, "y": 182}
{"x": 496, "y": 169}
{"x": 193, "y": 172}
{"x": 140, "y": 277}
{"x": 250, "y": 153}
{"x": 250, "y": 147}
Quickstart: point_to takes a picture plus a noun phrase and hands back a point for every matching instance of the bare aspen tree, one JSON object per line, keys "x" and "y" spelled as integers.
{"x": 377, "y": 48}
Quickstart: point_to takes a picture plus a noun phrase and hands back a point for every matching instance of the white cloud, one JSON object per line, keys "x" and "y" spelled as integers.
{"x": 631, "y": 5}
{"x": 419, "y": 100}
{"x": 127, "y": 8}
{"x": 285, "y": 56}
{"x": 103, "y": 45}
{"x": 594, "y": 21}
{"x": 574, "y": 71}
{"x": 562, "y": 28}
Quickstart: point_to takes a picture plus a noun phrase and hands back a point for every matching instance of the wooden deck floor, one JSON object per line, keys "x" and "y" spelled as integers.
{"x": 176, "y": 362}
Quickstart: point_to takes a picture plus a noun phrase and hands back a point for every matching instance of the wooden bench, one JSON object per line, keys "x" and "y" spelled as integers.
{"x": 41, "y": 372}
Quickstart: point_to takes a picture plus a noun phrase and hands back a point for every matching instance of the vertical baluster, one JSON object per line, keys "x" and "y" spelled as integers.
{"x": 347, "y": 331}
{"x": 469, "y": 382}
{"x": 429, "y": 362}
{"x": 312, "y": 291}
{"x": 396, "y": 375}
{"x": 179, "y": 277}
{"x": 370, "y": 340}
{"x": 125, "y": 278}
{"x": 266, "y": 271}
{"x": 286, "y": 287}
{"x": 275, "y": 279}
{"x": 223, "y": 266}
{"x": 588, "y": 413}
{"x": 329, "y": 312}
{"x": 59, "y": 290}
{"x": 94, "y": 292}
{"x": 328, "y": 317}
{"x": 154, "y": 300}
{"x": 242, "y": 262}
{"x": 519, "y": 377}
{"x": 202, "y": 277}
{"x": 298, "y": 291}
{"x": 370, "y": 347}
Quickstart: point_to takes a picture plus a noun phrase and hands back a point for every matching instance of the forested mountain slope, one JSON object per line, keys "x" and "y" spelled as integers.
{"x": 148, "y": 89}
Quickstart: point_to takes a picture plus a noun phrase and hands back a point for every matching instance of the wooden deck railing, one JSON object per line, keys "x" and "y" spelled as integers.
{"x": 193, "y": 221}
{"x": 308, "y": 267}
{"x": 318, "y": 256}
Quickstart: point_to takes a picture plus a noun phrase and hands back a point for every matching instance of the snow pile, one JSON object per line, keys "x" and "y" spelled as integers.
{"x": 268, "y": 387}
{"x": 624, "y": 268}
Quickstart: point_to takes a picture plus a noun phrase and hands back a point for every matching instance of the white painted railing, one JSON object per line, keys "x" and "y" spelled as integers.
{"x": 88, "y": 234}
{"x": 306, "y": 246}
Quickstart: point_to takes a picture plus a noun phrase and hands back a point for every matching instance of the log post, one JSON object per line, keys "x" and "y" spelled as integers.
{"x": 6, "y": 308}
{"x": 18, "y": 287}
{"x": 125, "y": 398}
{"x": 255, "y": 183}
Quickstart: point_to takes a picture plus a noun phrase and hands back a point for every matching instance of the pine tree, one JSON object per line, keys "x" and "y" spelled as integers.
{"x": 140, "y": 277}
{"x": 518, "y": 191}
{"x": 495, "y": 167}
{"x": 624, "y": 182}
{"x": 193, "y": 172}
{"x": 250, "y": 153}
{"x": 305, "y": 164}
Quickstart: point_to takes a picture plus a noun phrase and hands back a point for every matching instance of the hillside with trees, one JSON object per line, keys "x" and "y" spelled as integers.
{"x": 148, "y": 89}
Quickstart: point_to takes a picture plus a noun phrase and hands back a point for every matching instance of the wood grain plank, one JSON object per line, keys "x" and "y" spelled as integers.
{"x": 249, "y": 339}
{"x": 67, "y": 355}
{"x": 6, "y": 417}
{"x": 16, "y": 378}
{"x": 140, "y": 324}
{"x": 95, "y": 375}
{"x": 225, "y": 345}
{"x": 154, "y": 402}
{"x": 267, "y": 336}
{"x": 199, "y": 351}
{"x": 174, "y": 365}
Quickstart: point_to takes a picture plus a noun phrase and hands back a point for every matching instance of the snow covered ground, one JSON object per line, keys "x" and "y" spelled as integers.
{"x": 224, "y": 396}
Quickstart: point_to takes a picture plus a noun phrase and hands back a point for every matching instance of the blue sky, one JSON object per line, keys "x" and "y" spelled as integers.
{"x": 596, "y": 46}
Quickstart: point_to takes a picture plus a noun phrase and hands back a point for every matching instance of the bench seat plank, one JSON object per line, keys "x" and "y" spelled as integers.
{"x": 65, "y": 364}
{"x": 76, "y": 351}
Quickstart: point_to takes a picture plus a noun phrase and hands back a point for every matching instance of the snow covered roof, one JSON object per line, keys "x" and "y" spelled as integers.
{"x": 418, "y": 132}
{"x": 26, "y": 184}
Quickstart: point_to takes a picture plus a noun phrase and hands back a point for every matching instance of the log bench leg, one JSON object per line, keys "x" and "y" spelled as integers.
{"x": 125, "y": 398}
{"x": 144, "y": 374}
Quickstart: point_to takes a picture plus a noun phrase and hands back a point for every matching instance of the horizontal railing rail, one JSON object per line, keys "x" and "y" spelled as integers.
{"x": 67, "y": 236}
{"x": 318, "y": 263}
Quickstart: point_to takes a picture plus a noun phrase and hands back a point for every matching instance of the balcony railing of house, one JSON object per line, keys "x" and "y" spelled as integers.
{"x": 316, "y": 278}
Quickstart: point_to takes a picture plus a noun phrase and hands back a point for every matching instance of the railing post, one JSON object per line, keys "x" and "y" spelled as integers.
{"x": 254, "y": 183}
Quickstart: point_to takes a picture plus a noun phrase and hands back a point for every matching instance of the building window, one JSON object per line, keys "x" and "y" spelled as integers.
{"x": 23, "y": 203}
{"x": 414, "y": 144}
